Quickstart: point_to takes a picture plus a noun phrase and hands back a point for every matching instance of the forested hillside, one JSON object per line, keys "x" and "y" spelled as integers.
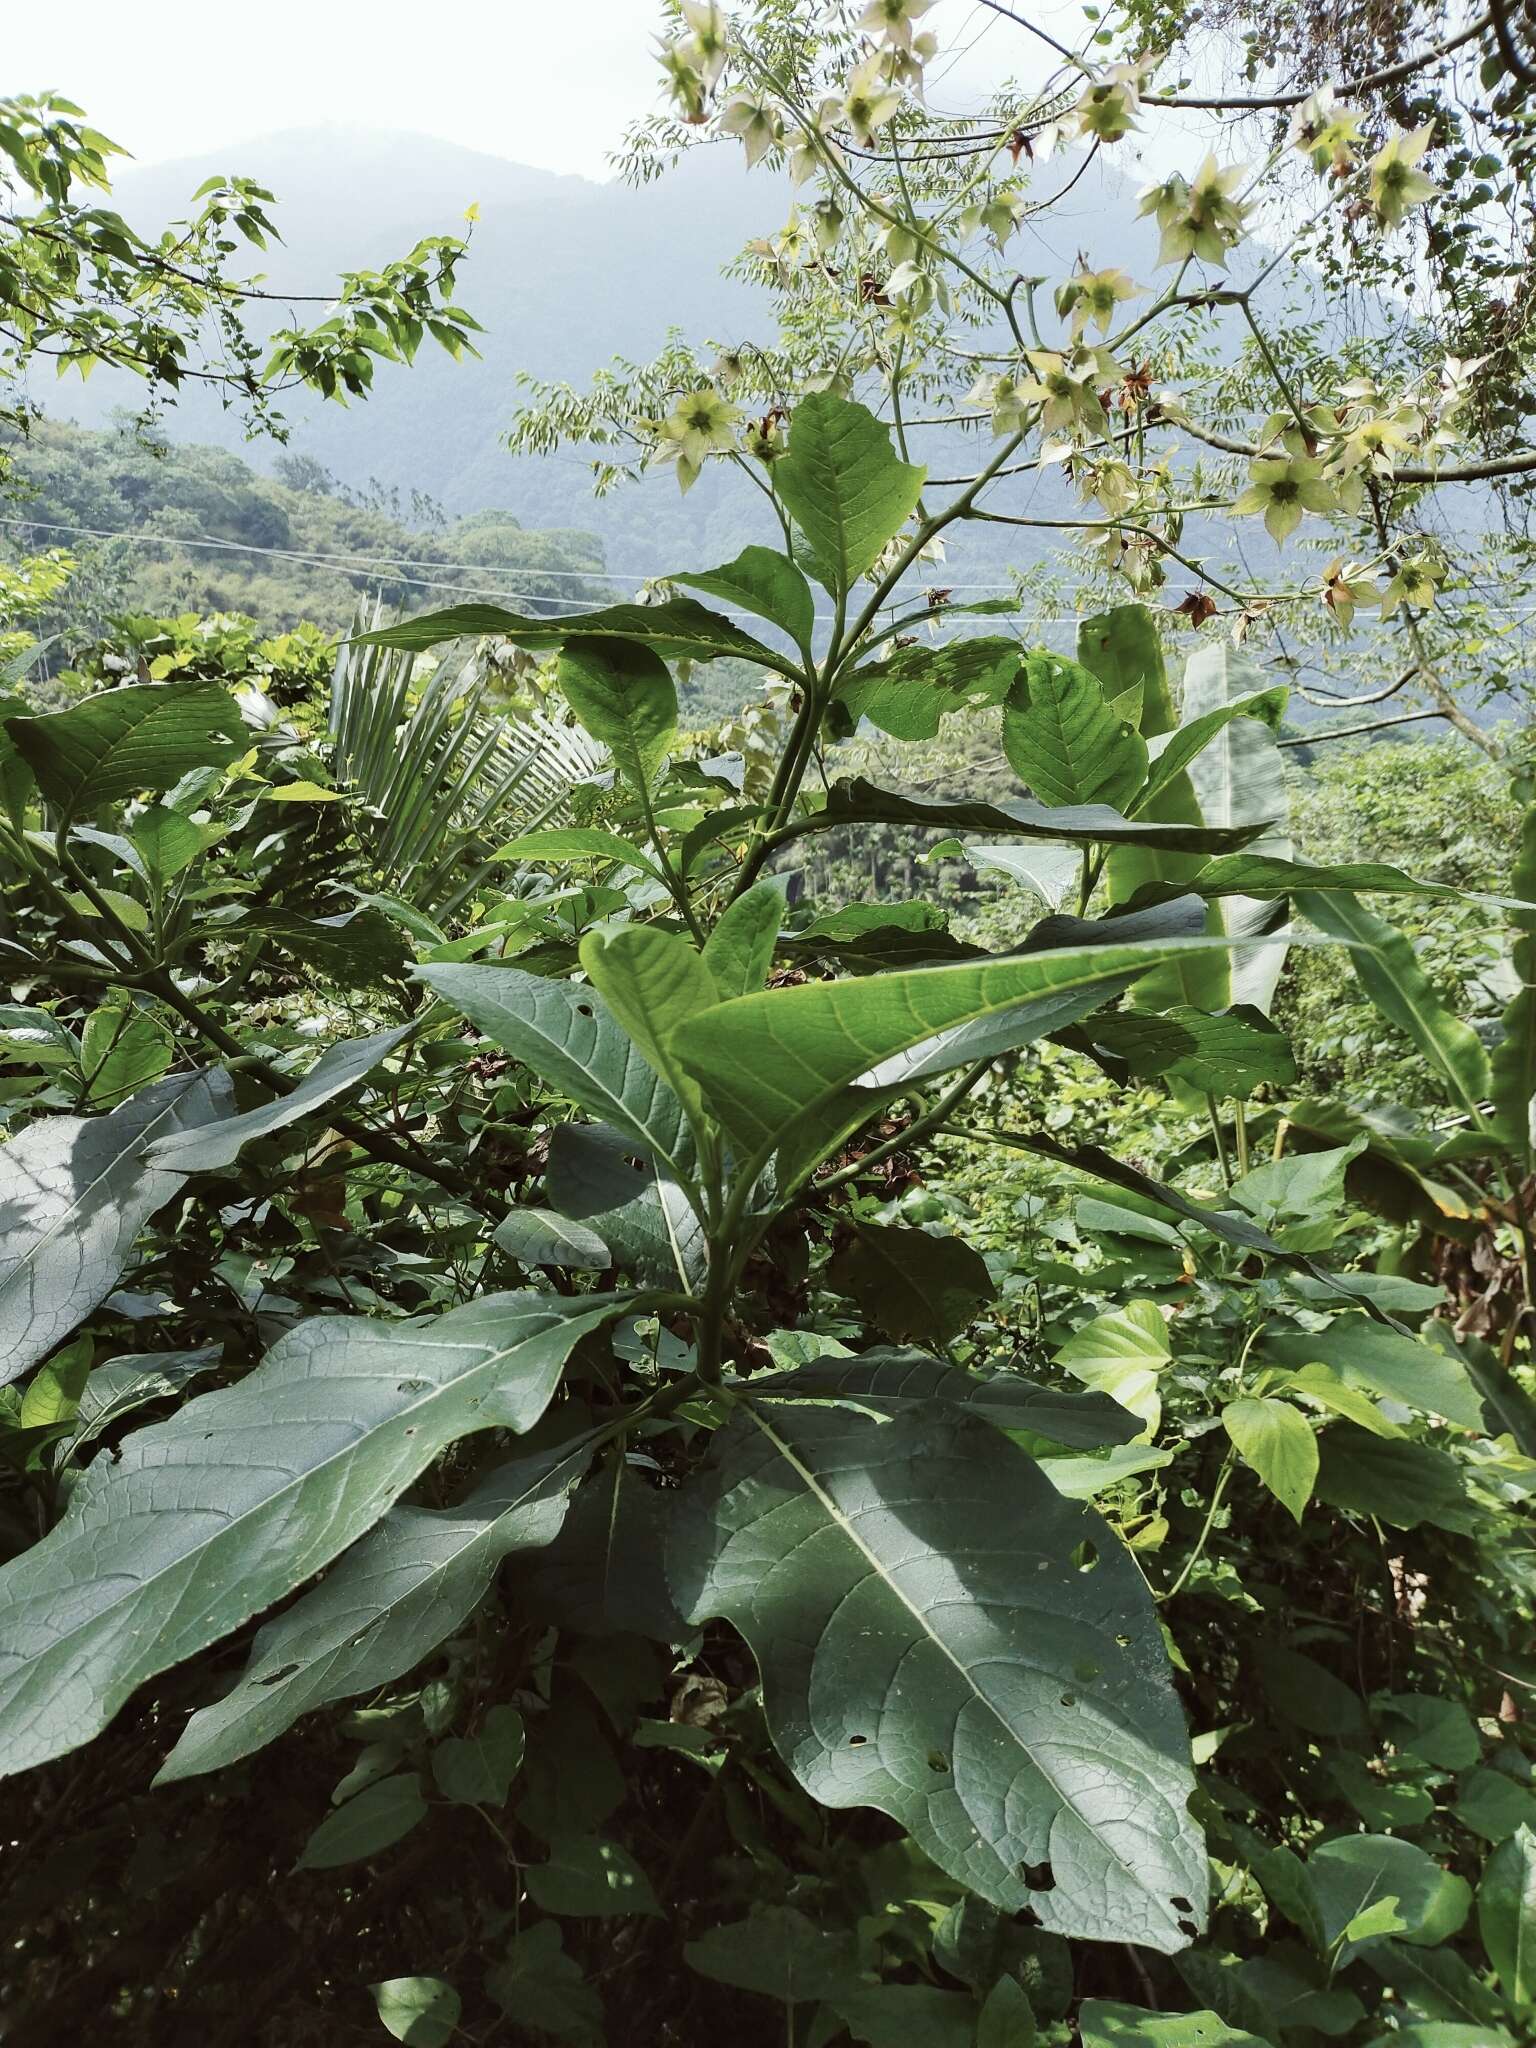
{"x": 166, "y": 527}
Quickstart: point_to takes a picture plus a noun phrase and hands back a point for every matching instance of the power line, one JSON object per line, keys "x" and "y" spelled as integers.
{"x": 359, "y": 563}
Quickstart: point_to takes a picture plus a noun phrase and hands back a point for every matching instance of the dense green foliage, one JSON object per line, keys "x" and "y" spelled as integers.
{"x": 851, "y": 1359}
{"x": 555, "y": 1452}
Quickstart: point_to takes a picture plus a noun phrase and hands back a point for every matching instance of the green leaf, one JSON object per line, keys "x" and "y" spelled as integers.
{"x": 56, "y": 1388}
{"x": 1122, "y": 649}
{"x": 739, "y": 951}
{"x": 653, "y": 981}
{"x": 943, "y": 1637}
{"x": 1121, "y": 1355}
{"x": 909, "y": 693}
{"x": 1198, "y": 733}
{"x": 1361, "y": 1882}
{"x": 597, "y": 1176}
{"x": 888, "y": 1381}
{"x": 119, "y": 743}
{"x": 1434, "y": 1984}
{"x": 1506, "y": 1915}
{"x": 906, "y": 2016}
{"x": 401, "y": 1590}
{"x": 1051, "y": 871}
{"x": 478, "y": 1769}
{"x": 566, "y": 846}
{"x": 248, "y": 1491}
{"x": 371, "y": 1821}
{"x": 605, "y": 1573}
{"x": 1277, "y": 1441}
{"x": 538, "y": 1237}
{"x": 773, "y": 1066}
{"x": 678, "y": 630}
{"x": 911, "y": 1284}
{"x": 586, "y": 1878}
{"x": 1105, "y": 2024}
{"x": 844, "y": 486}
{"x": 1063, "y": 741}
{"x": 1367, "y": 1354}
{"x": 1266, "y": 874}
{"x": 765, "y": 583}
{"x": 569, "y": 1037}
{"x": 778, "y": 1953}
{"x": 35, "y": 1038}
{"x": 540, "y": 1987}
{"x": 1228, "y": 1055}
{"x": 1006, "y": 2019}
{"x": 624, "y": 695}
{"x": 356, "y": 946}
{"x": 75, "y": 1193}
{"x": 1388, "y": 969}
{"x": 1513, "y": 1067}
{"x": 1398, "y": 1482}
{"x": 123, "y": 1047}
{"x": 856, "y": 802}
{"x": 339, "y": 1068}
{"x": 421, "y": 2011}
{"x": 1494, "y": 1806}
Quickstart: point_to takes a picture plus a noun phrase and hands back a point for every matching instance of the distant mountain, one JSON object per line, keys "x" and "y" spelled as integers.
{"x": 564, "y": 274}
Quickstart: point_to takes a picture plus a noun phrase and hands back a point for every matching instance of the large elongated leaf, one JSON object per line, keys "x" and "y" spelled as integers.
{"x": 1366, "y": 1354}
{"x": 211, "y": 1516}
{"x": 338, "y": 1069}
{"x": 1513, "y": 1068}
{"x": 887, "y": 1382}
{"x": 772, "y": 1065}
{"x": 679, "y": 630}
{"x": 74, "y": 1194}
{"x": 625, "y": 696}
{"x": 762, "y": 581}
{"x": 844, "y": 485}
{"x": 1121, "y": 647}
{"x": 931, "y": 1645}
{"x": 1388, "y": 969}
{"x": 1238, "y": 776}
{"x": 394, "y": 1596}
{"x": 119, "y": 742}
{"x": 1063, "y": 741}
{"x": 908, "y": 694}
{"x": 652, "y": 981}
{"x": 857, "y": 802}
{"x": 567, "y": 1034}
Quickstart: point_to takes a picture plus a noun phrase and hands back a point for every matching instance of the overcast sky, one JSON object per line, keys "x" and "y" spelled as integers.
{"x": 548, "y": 86}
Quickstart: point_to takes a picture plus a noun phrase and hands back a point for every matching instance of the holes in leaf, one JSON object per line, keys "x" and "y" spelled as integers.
{"x": 583, "y": 1009}
{"x": 1180, "y": 1904}
{"x": 411, "y": 1387}
{"x": 857, "y": 1741}
{"x": 1124, "y": 1642}
{"x": 637, "y": 1164}
{"x": 276, "y": 1677}
{"x": 1037, "y": 1876}
{"x": 1188, "y": 1929}
{"x": 1069, "y": 1699}
{"x": 1086, "y": 1555}
{"x": 938, "y": 1761}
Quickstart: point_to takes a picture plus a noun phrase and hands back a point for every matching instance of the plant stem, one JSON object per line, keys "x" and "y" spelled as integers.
{"x": 1227, "y": 1465}
{"x": 1212, "y": 1110}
